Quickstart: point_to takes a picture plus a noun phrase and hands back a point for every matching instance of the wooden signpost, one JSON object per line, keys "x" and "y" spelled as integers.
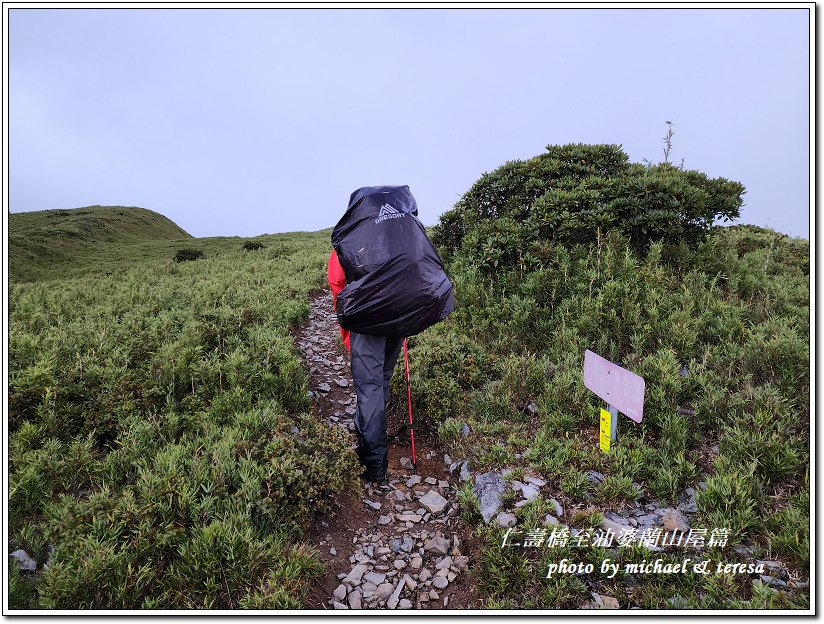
{"x": 621, "y": 389}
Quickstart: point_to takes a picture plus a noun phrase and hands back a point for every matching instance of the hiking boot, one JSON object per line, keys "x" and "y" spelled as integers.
{"x": 373, "y": 477}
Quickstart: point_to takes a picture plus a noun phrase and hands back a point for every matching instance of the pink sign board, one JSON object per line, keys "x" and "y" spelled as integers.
{"x": 617, "y": 386}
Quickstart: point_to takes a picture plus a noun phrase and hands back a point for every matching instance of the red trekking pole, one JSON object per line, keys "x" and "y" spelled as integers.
{"x": 409, "y": 403}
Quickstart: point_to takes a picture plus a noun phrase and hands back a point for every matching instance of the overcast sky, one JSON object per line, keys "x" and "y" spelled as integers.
{"x": 246, "y": 122}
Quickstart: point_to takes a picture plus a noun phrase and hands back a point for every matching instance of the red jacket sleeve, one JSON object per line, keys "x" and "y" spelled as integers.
{"x": 337, "y": 281}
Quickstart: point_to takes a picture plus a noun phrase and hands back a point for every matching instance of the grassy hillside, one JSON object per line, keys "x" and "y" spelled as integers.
{"x": 62, "y": 243}
{"x": 721, "y": 339}
{"x": 161, "y": 451}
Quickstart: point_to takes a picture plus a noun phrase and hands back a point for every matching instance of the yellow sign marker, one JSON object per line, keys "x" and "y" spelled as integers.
{"x": 605, "y": 423}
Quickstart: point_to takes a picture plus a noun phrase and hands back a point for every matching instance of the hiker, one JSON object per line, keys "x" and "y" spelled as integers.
{"x": 387, "y": 282}
{"x": 373, "y": 359}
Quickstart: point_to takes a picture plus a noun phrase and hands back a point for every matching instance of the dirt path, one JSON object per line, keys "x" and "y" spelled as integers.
{"x": 397, "y": 546}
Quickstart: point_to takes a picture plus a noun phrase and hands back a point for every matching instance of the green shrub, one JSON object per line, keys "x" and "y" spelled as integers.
{"x": 668, "y": 474}
{"x": 732, "y": 500}
{"x": 575, "y": 484}
{"x": 573, "y": 191}
{"x": 616, "y": 489}
{"x": 450, "y": 429}
{"x": 468, "y": 503}
{"x": 759, "y": 441}
{"x": 21, "y": 590}
{"x": 185, "y": 255}
{"x": 788, "y": 530}
{"x": 503, "y": 571}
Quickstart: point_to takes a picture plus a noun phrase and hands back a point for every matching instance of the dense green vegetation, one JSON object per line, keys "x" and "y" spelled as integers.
{"x": 160, "y": 436}
{"x": 572, "y": 192}
{"x": 160, "y": 432}
{"x": 717, "y": 324}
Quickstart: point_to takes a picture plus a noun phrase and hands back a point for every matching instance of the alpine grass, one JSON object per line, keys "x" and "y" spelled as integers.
{"x": 578, "y": 249}
{"x": 162, "y": 454}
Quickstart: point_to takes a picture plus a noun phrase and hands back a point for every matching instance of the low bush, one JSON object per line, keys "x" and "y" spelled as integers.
{"x": 571, "y": 192}
{"x": 186, "y": 255}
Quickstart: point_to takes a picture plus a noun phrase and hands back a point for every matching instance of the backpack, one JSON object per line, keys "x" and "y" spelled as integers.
{"x": 395, "y": 280}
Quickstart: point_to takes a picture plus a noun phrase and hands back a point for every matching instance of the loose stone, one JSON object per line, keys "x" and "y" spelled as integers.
{"x": 340, "y": 592}
{"x": 594, "y": 477}
{"x": 434, "y": 502}
{"x": 674, "y": 520}
{"x": 444, "y": 563}
{"x": 506, "y": 520}
{"x": 437, "y": 545}
{"x": 489, "y": 488}
{"x": 384, "y": 591}
{"x": 461, "y": 563}
{"x": 354, "y": 577}
{"x": 376, "y": 578}
{"x": 392, "y": 601}
{"x": 608, "y": 602}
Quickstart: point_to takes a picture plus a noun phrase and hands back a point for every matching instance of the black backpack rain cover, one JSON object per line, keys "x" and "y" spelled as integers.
{"x": 395, "y": 280}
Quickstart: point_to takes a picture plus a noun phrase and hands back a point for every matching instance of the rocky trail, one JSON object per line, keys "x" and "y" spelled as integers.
{"x": 402, "y": 544}
{"x": 398, "y": 545}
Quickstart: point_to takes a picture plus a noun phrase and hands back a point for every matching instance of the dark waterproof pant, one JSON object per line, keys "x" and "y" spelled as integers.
{"x": 373, "y": 360}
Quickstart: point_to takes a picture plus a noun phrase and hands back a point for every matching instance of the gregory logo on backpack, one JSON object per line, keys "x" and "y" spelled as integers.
{"x": 388, "y": 212}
